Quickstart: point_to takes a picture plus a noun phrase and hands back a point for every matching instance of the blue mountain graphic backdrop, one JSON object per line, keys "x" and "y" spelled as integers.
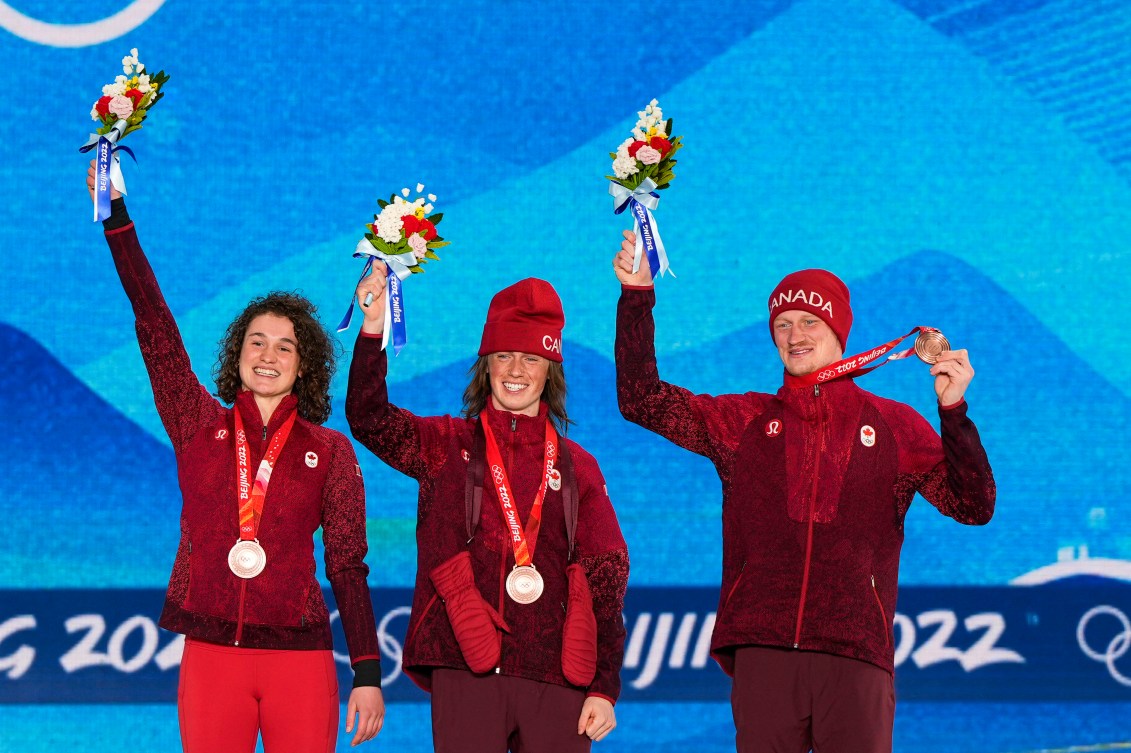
{"x": 964, "y": 164}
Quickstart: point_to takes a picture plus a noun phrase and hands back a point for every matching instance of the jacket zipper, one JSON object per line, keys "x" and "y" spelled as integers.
{"x": 883, "y": 612}
{"x": 812, "y": 515}
{"x": 734, "y": 587}
{"x": 239, "y": 617}
{"x": 423, "y": 617}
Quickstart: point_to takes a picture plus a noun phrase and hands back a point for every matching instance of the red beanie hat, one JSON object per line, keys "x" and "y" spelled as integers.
{"x": 526, "y": 317}
{"x": 820, "y": 293}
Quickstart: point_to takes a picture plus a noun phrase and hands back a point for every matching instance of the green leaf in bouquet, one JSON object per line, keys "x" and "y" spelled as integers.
{"x": 417, "y": 270}
{"x": 435, "y": 218}
{"x": 381, "y": 203}
{"x": 431, "y": 255}
{"x": 668, "y": 126}
{"x": 612, "y": 155}
{"x": 438, "y": 243}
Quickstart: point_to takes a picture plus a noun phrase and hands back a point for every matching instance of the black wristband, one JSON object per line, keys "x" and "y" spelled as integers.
{"x": 367, "y": 673}
{"x": 119, "y": 217}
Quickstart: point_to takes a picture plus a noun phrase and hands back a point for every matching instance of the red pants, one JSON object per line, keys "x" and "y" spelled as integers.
{"x": 227, "y": 695}
{"x": 787, "y": 701}
{"x": 495, "y": 713}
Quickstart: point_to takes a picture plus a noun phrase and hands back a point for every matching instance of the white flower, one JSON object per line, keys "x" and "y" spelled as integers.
{"x": 431, "y": 197}
{"x": 405, "y": 192}
{"x": 428, "y": 209}
{"x": 624, "y": 166}
{"x": 418, "y": 245}
{"x": 143, "y": 84}
{"x": 420, "y": 188}
{"x": 94, "y": 113}
{"x": 639, "y": 133}
{"x": 653, "y": 103}
{"x": 122, "y": 107}
{"x": 648, "y": 156}
{"x": 140, "y": 67}
{"x": 113, "y": 90}
{"x": 389, "y": 224}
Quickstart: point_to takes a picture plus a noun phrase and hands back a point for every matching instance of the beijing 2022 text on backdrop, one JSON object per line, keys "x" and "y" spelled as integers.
{"x": 963, "y": 164}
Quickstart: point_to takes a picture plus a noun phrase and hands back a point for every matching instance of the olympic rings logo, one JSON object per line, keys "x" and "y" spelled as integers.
{"x": 1116, "y": 647}
{"x": 497, "y": 474}
{"x": 78, "y": 35}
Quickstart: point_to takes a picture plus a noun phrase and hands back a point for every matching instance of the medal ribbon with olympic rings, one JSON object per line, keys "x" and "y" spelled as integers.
{"x": 523, "y": 542}
{"x": 252, "y": 495}
{"x": 856, "y": 364}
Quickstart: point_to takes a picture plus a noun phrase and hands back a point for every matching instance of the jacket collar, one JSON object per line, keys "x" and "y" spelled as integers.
{"x": 502, "y": 422}
{"x": 249, "y": 411}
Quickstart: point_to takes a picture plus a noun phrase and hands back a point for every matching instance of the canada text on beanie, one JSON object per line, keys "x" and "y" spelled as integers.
{"x": 526, "y": 317}
{"x": 820, "y": 293}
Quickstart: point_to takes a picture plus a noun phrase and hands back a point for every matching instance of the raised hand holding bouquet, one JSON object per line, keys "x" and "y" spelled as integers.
{"x": 120, "y": 110}
{"x": 404, "y": 237}
{"x": 642, "y": 165}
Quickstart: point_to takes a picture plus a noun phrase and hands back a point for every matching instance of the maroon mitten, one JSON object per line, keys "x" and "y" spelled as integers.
{"x": 475, "y": 623}
{"x": 579, "y": 635}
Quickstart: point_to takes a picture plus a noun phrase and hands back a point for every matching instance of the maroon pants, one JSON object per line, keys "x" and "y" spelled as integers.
{"x": 495, "y": 713}
{"x": 227, "y": 696}
{"x": 787, "y": 701}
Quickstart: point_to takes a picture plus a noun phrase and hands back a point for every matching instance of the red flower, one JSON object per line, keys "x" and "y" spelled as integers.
{"x": 412, "y": 224}
{"x": 659, "y": 143}
{"x": 134, "y": 95}
{"x": 634, "y": 147}
{"x": 102, "y": 106}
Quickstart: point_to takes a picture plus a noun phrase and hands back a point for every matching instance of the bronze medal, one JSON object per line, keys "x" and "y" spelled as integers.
{"x": 247, "y": 558}
{"x": 524, "y": 584}
{"x": 929, "y": 344}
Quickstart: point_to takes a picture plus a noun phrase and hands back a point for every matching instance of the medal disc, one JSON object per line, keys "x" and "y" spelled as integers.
{"x": 929, "y": 344}
{"x": 247, "y": 559}
{"x": 524, "y": 584}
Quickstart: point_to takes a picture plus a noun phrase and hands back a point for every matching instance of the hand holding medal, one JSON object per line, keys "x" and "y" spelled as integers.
{"x": 643, "y": 165}
{"x": 404, "y": 237}
{"x": 120, "y": 111}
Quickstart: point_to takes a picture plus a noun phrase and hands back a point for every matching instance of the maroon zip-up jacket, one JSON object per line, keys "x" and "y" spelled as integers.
{"x": 316, "y": 483}
{"x": 816, "y": 484}
{"x": 435, "y": 451}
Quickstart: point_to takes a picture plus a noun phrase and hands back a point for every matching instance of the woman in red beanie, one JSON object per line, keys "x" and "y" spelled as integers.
{"x": 516, "y": 624}
{"x": 257, "y": 479}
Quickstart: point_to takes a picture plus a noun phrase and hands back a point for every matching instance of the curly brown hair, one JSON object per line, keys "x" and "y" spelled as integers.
{"x": 478, "y": 392}
{"x": 317, "y": 353}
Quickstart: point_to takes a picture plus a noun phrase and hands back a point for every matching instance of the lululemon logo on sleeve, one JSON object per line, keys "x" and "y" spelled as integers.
{"x": 867, "y": 435}
{"x": 222, "y": 434}
{"x": 312, "y": 459}
{"x": 773, "y": 427}
{"x": 465, "y": 455}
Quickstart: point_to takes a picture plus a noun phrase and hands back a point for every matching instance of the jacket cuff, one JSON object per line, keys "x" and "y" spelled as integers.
{"x": 637, "y": 287}
{"x": 592, "y": 694}
{"x": 952, "y": 406}
{"x": 118, "y": 218}
{"x": 370, "y": 335}
{"x": 367, "y": 673}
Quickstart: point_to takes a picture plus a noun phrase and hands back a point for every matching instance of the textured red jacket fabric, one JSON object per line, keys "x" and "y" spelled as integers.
{"x": 435, "y": 451}
{"x": 816, "y": 484}
{"x": 316, "y": 483}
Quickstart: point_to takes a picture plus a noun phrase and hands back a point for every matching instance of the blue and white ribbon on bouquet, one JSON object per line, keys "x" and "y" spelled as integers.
{"x": 399, "y": 271}
{"x": 109, "y": 167}
{"x": 641, "y": 202}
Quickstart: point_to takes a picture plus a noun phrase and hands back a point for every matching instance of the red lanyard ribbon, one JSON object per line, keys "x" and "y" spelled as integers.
{"x": 856, "y": 364}
{"x": 523, "y": 541}
{"x": 252, "y": 494}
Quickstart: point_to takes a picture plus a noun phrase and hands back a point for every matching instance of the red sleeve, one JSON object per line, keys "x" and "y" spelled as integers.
{"x": 707, "y": 425}
{"x": 343, "y": 533}
{"x": 412, "y": 445}
{"x": 602, "y": 551}
{"x": 182, "y": 401}
{"x": 951, "y": 472}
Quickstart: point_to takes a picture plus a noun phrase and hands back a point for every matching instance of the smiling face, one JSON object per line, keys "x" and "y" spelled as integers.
{"x": 804, "y": 342}
{"x": 269, "y": 357}
{"x": 517, "y": 381}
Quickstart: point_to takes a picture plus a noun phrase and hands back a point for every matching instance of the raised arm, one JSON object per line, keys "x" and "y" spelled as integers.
{"x": 412, "y": 445}
{"x": 182, "y": 401}
{"x": 704, "y": 424}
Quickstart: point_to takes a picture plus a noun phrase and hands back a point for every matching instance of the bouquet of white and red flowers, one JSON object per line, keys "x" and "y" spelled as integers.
{"x": 404, "y": 237}
{"x": 643, "y": 165}
{"x": 120, "y": 110}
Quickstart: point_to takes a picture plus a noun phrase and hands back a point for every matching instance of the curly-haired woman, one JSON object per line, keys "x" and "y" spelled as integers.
{"x": 516, "y": 625}
{"x": 257, "y": 480}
